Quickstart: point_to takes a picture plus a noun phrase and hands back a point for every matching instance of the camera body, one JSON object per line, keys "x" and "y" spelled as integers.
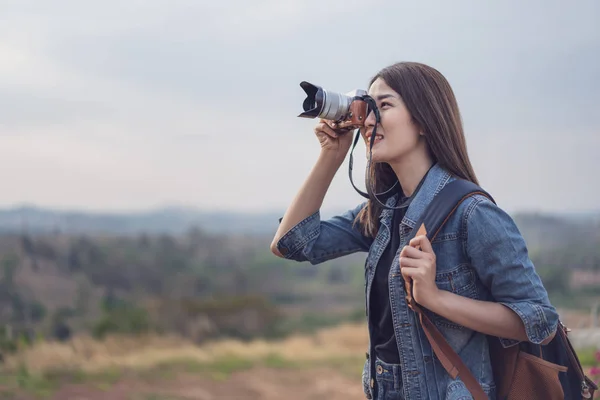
{"x": 346, "y": 110}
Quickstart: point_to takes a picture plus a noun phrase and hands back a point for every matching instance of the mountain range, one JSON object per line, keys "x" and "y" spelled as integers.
{"x": 169, "y": 220}
{"x": 536, "y": 227}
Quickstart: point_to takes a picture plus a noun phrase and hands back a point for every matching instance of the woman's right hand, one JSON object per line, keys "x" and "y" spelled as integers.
{"x": 334, "y": 141}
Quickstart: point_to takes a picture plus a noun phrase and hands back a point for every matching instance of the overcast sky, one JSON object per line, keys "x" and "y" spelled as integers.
{"x": 128, "y": 105}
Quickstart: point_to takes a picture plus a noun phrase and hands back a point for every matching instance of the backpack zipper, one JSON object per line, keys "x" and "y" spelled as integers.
{"x": 585, "y": 390}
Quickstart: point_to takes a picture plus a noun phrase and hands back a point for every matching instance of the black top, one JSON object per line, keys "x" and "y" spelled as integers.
{"x": 383, "y": 337}
{"x": 380, "y": 314}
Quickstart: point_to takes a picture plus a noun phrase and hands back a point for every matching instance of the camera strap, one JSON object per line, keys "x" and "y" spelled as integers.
{"x": 372, "y": 105}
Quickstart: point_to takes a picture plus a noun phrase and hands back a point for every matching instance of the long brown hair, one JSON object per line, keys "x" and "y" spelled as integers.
{"x": 432, "y": 105}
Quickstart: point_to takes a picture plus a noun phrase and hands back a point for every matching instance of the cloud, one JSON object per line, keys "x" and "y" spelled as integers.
{"x": 141, "y": 103}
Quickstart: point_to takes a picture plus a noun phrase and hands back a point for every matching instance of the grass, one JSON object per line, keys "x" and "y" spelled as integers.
{"x": 141, "y": 352}
{"x": 587, "y": 357}
{"x": 43, "y": 368}
{"x": 46, "y": 383}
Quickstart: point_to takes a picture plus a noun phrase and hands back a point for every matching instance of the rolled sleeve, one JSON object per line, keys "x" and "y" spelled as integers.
{"x": 499, "y": 254}
{"x": 316, "y": 240}
{"x": 299, "y": 236}
{"x": 534, "y": 318}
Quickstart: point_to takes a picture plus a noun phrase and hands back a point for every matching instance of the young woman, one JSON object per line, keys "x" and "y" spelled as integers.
{"x": 475, "y": 279}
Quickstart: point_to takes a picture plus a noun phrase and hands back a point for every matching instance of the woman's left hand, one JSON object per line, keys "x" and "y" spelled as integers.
{"x": 419, "y": 266}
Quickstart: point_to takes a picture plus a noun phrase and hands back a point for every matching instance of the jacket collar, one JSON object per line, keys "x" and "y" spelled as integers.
{"x": 435, "y": 180}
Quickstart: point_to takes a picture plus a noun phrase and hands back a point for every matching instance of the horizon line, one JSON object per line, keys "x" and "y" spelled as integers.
{"x": 15, "y": 207}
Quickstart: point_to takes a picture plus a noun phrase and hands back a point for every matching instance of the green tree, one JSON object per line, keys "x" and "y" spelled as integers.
{"x": 555, "y": 279}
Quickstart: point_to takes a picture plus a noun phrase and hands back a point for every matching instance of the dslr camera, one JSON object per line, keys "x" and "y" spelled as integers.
{"x": 348, "y": 110}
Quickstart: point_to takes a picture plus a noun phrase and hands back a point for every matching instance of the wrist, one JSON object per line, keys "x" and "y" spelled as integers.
{"x": 435, "y": 301}
{"x": 330, "y": 159}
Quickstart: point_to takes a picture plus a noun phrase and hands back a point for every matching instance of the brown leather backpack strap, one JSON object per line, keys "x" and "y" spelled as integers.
{"x": 435, "y": 216}
{"x": 449, "y": 359}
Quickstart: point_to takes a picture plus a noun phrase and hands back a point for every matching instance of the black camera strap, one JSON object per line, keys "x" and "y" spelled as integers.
{"x": 372, "y": 105}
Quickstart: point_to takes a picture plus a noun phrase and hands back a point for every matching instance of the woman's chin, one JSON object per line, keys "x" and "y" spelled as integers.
{"x": 376, "y": 156}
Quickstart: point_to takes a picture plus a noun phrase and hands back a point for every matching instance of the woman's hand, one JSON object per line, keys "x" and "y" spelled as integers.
{"x": 334, "y": 140}
{"x": 417, "y": 263}
{"x": 488, "y": 317}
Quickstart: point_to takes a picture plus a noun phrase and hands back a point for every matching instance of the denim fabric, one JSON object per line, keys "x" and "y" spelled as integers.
{"x": 480, "y": 254}
{"x": 388, "y": 381}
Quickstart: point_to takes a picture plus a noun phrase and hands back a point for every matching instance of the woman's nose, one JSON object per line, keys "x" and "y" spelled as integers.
{"x": 370, "y": 121}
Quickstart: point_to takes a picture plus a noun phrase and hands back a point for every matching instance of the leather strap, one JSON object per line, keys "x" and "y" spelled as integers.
{"x": 449, "y": 359}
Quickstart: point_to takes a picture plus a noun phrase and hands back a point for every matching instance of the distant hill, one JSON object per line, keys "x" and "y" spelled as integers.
{"x": 540, "y": 230}
{"x": 171, "y": 220}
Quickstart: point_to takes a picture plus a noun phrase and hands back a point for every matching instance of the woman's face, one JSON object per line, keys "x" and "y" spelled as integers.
{"x": 396, "y": 135}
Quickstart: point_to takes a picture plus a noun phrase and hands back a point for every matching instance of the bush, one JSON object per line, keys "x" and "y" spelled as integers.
{"x": 125, "y": 319}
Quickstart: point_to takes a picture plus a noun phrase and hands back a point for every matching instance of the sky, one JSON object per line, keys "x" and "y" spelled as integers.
{"x": 122, "y": 105}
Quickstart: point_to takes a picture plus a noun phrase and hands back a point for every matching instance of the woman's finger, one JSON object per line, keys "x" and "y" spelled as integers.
{"x": 422, "y": 242}
{"x": 411, "y": 273}
{"x": 411, "y": 252}
{"x": 325, "y": 128}
{"x": 406, "y": 262}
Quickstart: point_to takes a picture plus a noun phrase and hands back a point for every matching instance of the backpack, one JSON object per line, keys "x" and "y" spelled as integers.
{"x": 523, "y": 371}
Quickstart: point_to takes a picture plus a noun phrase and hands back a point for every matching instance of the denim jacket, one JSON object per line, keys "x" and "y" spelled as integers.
{"x": 480, "y": 254}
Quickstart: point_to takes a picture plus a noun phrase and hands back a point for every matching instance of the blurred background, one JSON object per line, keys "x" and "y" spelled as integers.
{"x": 148, "y": 148}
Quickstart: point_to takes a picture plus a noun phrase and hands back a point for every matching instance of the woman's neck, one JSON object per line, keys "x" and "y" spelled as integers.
{"x": 411, "y": 170}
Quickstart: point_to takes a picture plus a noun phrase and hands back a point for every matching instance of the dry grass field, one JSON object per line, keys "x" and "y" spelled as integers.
{"x": 324, "y": 365}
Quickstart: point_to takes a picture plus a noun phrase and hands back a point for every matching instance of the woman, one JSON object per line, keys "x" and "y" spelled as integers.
{"x": 475, "y": 279}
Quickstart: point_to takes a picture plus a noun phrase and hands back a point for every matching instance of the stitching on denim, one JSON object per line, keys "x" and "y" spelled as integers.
{"x": 516, "y": 307}
{"x": 408, "y": 222}
{"x": 302, "y": 244}
{"x": 296, "y": 228}
{"x": 471, "y": 206}
{"x": 443, "y": 181}
{"x": 447, "y": 237}
{"x": 455, "y": 271}
{"x": 546, "y": 329}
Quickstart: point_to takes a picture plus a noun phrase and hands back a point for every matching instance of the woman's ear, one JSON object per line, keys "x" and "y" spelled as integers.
{"x": 420, "y": 129}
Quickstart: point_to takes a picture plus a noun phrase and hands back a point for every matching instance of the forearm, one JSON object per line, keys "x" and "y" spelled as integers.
{"x": 309, "y": 198}
{"x": 482, "y": 316}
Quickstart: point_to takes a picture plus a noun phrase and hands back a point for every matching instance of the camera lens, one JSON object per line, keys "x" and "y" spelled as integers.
{"x": 323, "y": 104}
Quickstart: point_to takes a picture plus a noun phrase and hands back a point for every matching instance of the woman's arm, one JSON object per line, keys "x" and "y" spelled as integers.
{"x": 335, "y": 144}
{"x": 521, "y": 310}
{"x": 482, "y": 316}
{"x": 309, "y": 198}
{"x": 418, "y": 263}
{"x": 302, "y": 235}
{"x": 498, "y": 253}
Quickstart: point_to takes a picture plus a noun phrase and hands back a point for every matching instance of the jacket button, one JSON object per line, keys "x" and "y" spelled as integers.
{"x": 379, "y": 369}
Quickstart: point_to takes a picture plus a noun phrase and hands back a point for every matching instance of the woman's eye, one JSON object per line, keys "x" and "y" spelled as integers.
{"x": 384, "y": 104}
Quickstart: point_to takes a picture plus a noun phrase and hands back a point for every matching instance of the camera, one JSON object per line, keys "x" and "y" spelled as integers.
{"x": 347, "y": 110}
